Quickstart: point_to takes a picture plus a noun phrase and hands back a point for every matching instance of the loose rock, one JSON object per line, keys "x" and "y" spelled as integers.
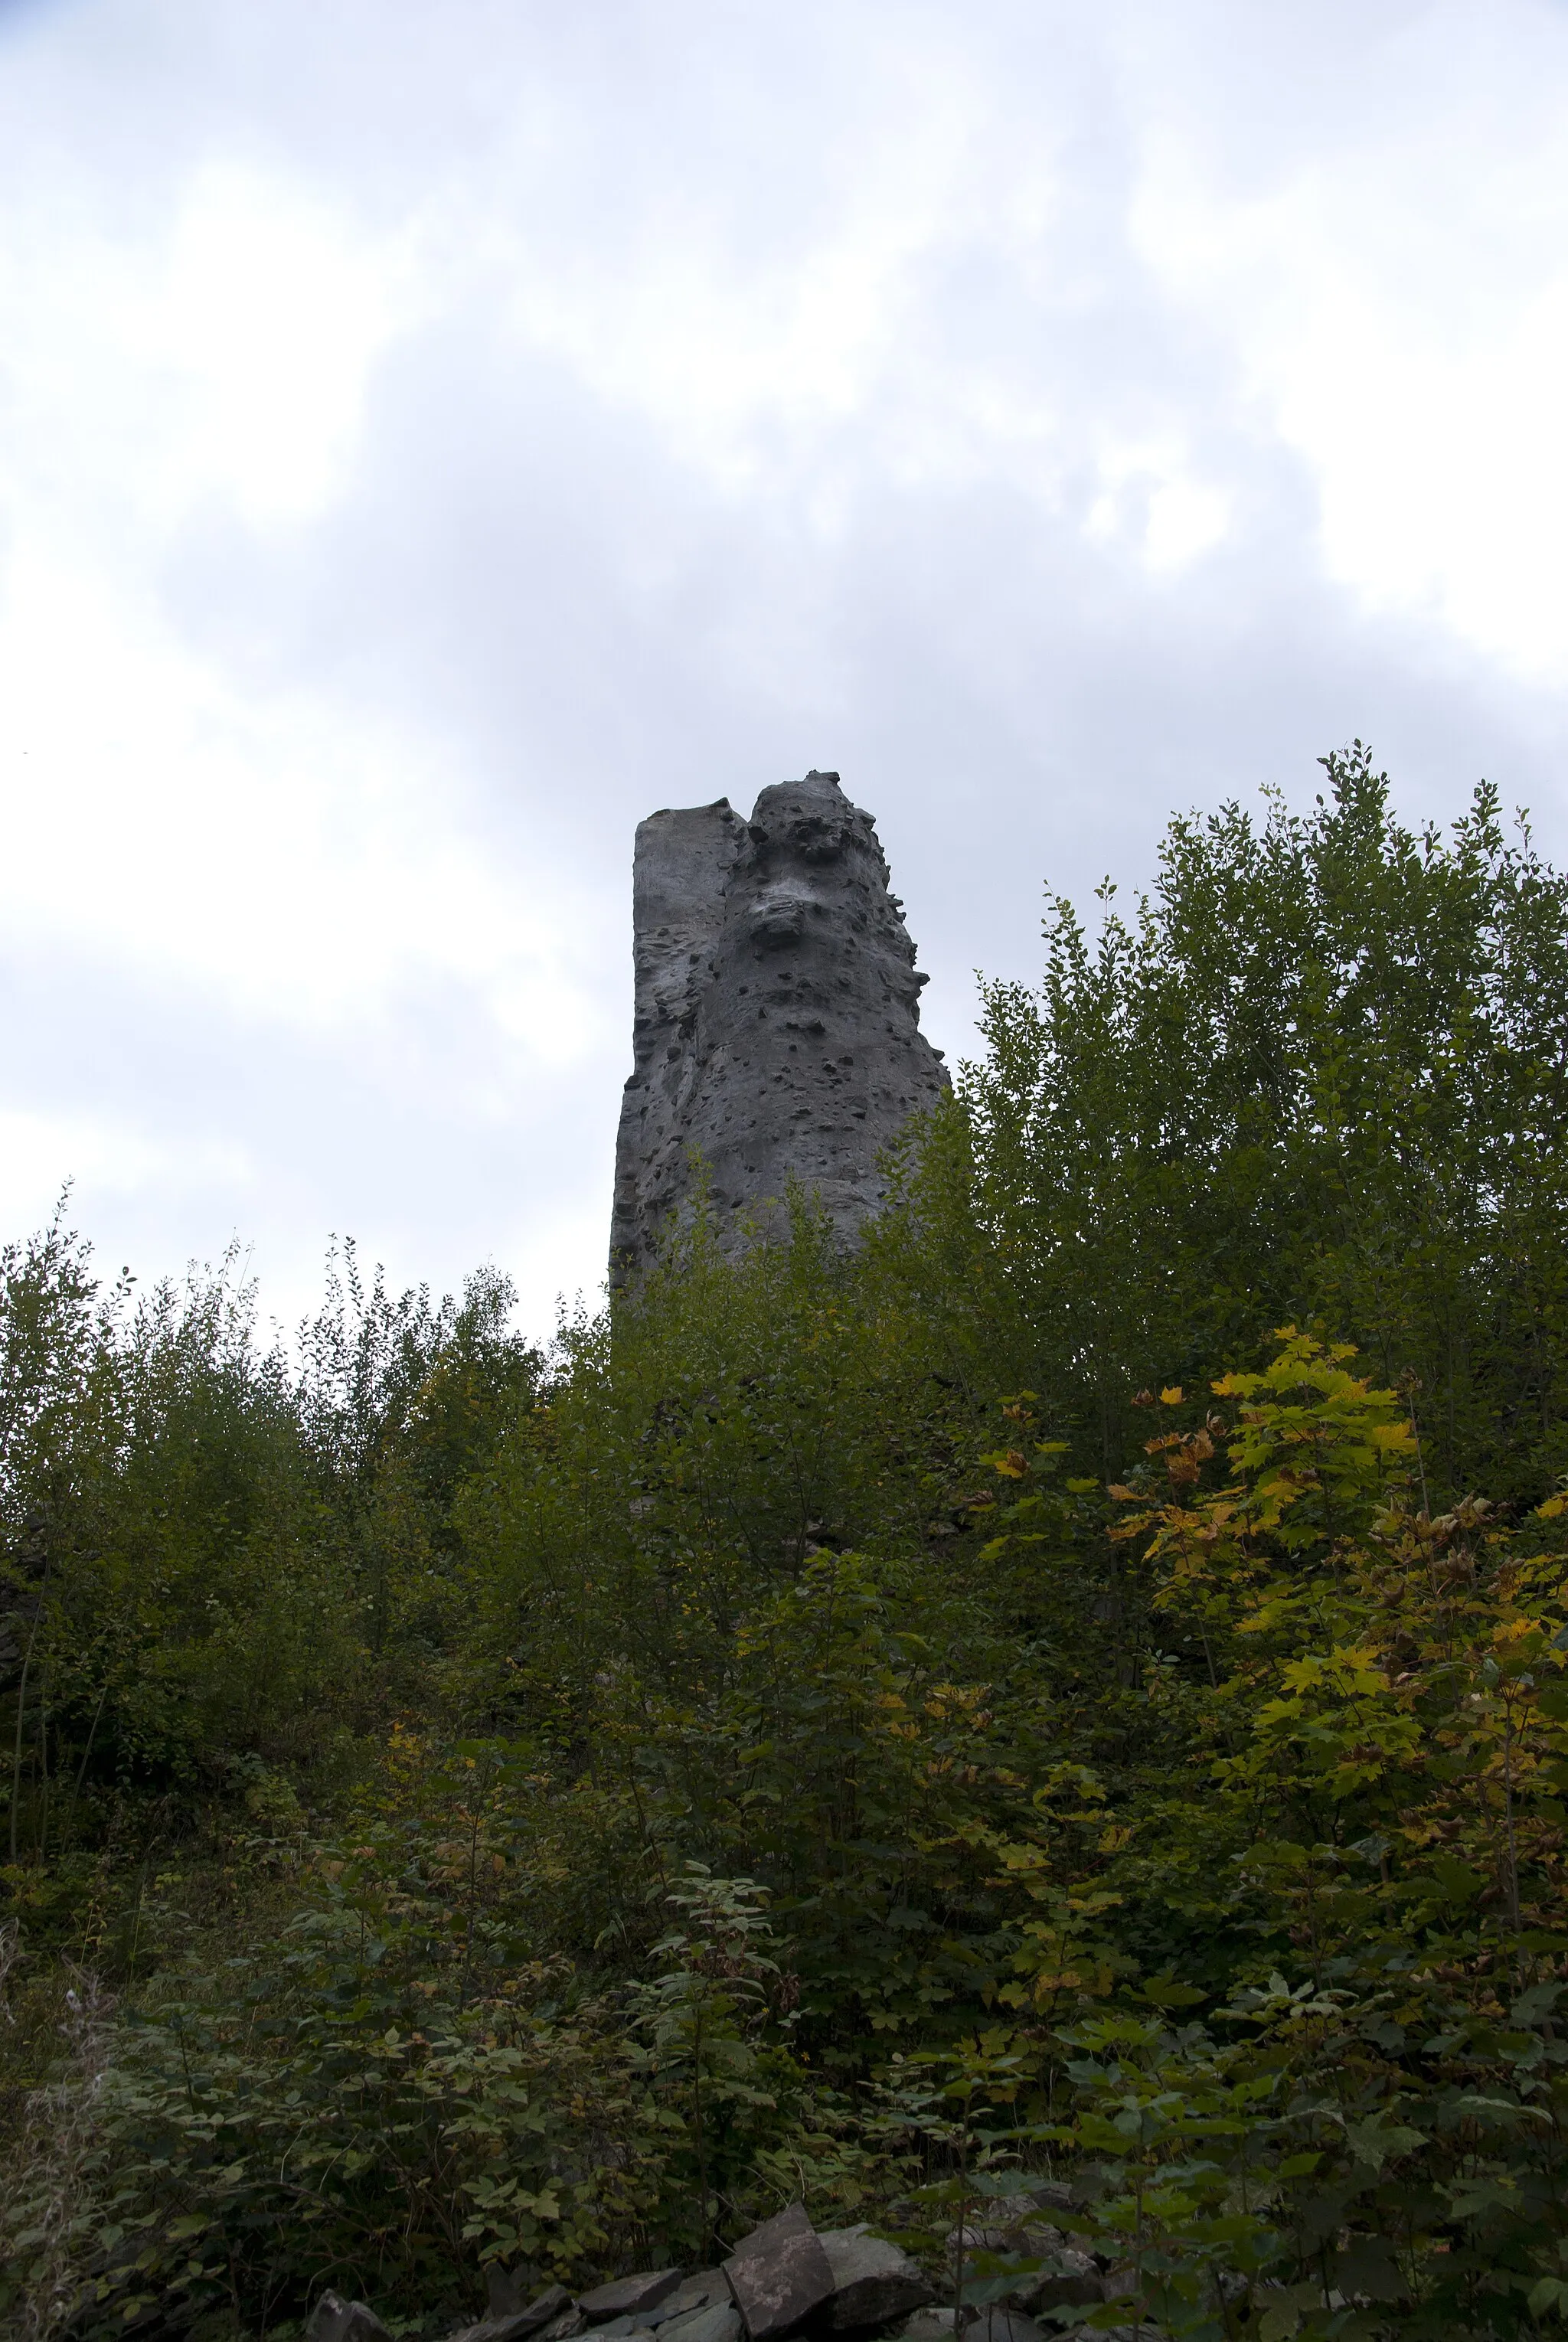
{"x": 932, "y": 2324}
{"x": 515, "y": 2328}
{"x": 874, "y": 2282}
{"x": 1034, "y": 2237}
{"x": 1000, "y": 2324}
{"x": 506, "y": 2300}
{"x": 628, "y": 2297}
{"x": 336, "y": 2321}
{"x": 1055, "y": 2196}
{"x": 1074, "y": 2283}
{"x": 704, "y": 2290}
{"x": 779, "y": 2275}
{"x": 720, "y": 2322}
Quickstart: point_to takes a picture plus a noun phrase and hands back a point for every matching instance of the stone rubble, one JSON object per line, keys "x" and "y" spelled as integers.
{"x": 779, "y": 2275}
{"x": 628, "y": 2297}
{"x": 720, "y": 2322}
{"x": 932, "y": 2324}
{"x": 1074, "y": 2283}
{"x": 506, "y": 2300}
{"x": 1001, "y": 2324}
{"x": 517, "y": 2328}
{"x": 787, "y": 2279}
{"x": 336, "y": 2320}
{"x": 874, "y": 2282}
{"x": 709, "y": 2289}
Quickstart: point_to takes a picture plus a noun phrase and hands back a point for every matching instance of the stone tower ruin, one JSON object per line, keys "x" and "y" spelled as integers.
{"x": 776, "y": 1028}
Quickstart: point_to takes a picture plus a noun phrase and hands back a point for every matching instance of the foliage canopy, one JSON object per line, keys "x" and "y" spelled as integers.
{"x": 1076, "y": 1688}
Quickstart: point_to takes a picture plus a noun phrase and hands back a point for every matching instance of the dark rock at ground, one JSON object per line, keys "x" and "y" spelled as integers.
{"x": 506, "y": 2300}
{"x": 627, "y": 2296}
{"x": 1055, "y": 2196}
{"x": 336, "y": 2321}
{"x": 874, "y": 2282}
{"x": 704, "y": 2289}
{"x": 1071, "y": 2282}
{"x": 776, "y": 1024}
{"x": 718, "y": 2322}
{"x": 779, "y": 2275}
{"x": 1003, "y": 2325}
{"x": 517, "y": 2327}
{"x": 570, "y": 2321}
{"x": 934, "y": 2323}
{"x": 1025, "y": 2235}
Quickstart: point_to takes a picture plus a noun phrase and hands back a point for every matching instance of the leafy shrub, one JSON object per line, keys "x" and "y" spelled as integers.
{"x": 898, "y": 1728}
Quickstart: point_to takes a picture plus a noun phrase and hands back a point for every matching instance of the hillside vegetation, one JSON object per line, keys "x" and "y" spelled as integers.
{"x": 1078, "y": 1687}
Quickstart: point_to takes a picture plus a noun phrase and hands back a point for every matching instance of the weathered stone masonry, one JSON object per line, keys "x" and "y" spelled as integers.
{"x": 776, "y": 1026}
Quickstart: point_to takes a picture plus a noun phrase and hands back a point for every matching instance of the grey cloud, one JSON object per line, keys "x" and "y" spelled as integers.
{"x": 593, "y": 619}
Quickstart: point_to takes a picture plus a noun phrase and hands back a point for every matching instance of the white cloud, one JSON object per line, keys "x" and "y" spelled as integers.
{"x": 1399, "y": 309}
{"x": 215, "y": 345}
{"x": 299, "y": 859}
{"x": 39, "y": 1153}
{"x": 266, "y": 315}
{"x": 1153, "y": 501}
{"x": 430, "y": 439}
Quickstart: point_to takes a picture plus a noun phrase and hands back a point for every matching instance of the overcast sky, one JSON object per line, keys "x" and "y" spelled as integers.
{"x": 432, "y": 436}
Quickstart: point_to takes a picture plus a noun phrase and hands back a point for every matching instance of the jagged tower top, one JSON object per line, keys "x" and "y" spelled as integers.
{"x": 776, "y": 1020}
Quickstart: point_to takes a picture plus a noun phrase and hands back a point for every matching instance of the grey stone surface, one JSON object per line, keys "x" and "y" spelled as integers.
{"x": 336, "y": 2321}
{"x": 779, "y": 2275}
{"x": 1054, "y": 2195}
{"x": 570, "y": 2321}
{"x": 776, "y": 1027}
{"x": 1001, "y": 2325}
{"x": 703, "y": 2290}
{"x": 1072, "y": 2281}
{"x": 719, "y": 2321}
{"x": 506, "y": 2301}
{"x": 1033, "y": 2237}
{"x": 627, "y": 2296}
{"x": 874, "y": 2282}
{"x": 515, "y": 2327}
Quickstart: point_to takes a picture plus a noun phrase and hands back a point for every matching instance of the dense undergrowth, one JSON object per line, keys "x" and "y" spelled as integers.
{"x": 1076, "y": 1686}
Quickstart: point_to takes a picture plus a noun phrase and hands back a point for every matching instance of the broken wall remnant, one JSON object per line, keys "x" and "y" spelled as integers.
{"x": 776, "y": 1024}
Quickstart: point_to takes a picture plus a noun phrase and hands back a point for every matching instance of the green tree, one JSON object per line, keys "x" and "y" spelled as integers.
{"x": 1319, "y": 1075}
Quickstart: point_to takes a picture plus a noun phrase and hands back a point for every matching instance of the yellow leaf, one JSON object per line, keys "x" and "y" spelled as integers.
{"x": 1551, "y": 1508}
